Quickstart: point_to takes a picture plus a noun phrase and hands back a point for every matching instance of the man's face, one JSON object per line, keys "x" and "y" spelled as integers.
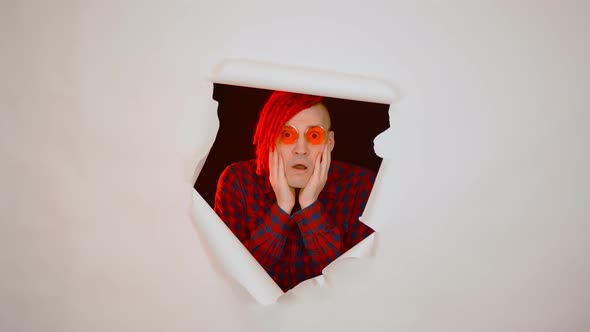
{"x": 299, "y": 158}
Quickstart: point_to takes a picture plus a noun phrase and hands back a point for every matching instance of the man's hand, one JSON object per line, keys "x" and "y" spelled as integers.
{"x": 310, "y": 193}
{"x": 278, "y": 180}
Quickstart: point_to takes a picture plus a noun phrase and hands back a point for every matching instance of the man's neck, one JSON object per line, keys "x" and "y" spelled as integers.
{"x": 296, "y": 207}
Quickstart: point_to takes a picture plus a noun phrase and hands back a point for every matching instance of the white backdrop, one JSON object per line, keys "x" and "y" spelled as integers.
{"x": 106, "y": 113}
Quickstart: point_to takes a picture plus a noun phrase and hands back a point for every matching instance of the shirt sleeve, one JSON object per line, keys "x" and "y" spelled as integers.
{"x": 265, "y": 242}
{"x": 320, "y": 237}
{"x": 324, "y": 241}
{"x": 357, "y": 230}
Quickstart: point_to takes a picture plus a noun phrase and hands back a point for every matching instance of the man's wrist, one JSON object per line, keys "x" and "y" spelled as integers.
{"x": 305, "y": 203}
{"x": 286, "y": 207}
{"x": 309, "y": 215}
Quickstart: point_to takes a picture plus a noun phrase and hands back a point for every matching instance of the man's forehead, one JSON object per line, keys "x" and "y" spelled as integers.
{"x": 317, "y": 115}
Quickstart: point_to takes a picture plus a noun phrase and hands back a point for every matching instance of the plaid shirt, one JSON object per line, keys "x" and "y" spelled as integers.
{"x": 296, "y": 247}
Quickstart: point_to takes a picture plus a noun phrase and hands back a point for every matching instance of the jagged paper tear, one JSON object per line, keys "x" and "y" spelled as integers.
{"x": 225, "y": 248}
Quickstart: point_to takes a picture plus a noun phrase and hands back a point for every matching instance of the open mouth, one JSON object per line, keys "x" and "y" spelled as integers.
{"x": 300, "y": 167}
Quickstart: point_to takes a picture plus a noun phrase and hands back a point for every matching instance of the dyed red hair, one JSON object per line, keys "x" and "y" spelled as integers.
{"x": 279, "y": 108}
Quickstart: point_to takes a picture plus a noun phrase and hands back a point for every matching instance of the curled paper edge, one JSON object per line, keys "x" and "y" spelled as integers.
{"x": 234, "y": 258}
{"x": 255, "y": 74}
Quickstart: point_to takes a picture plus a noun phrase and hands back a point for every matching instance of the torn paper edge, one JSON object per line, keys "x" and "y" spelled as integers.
{"x": 234, "y": 258}
{"x": 255, "y": 74}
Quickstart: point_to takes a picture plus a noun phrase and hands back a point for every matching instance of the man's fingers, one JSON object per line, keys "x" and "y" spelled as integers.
{"x": 279, "y": 166}
{"x": 322, "y": 163}
{"x": 281, "y": 170}
{"x": 317, "y": 169}
{"x": 327, "y": 159}
{"x": 272, "y": 164}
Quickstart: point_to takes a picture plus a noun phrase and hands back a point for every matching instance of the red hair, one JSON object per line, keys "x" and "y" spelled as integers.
{"x": 279, "y": 108}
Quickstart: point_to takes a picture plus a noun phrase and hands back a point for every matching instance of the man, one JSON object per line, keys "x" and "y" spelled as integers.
{"x": 292, "y": 207}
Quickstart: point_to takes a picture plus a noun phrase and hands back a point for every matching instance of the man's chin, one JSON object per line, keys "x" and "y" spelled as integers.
{"x": 297, "y": 183}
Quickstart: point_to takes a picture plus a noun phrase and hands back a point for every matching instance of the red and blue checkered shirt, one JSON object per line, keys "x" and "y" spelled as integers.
{"x": 296, "y": 247}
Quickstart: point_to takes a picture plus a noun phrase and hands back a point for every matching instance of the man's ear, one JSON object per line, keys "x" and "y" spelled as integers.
{"x": 331, "y": 140}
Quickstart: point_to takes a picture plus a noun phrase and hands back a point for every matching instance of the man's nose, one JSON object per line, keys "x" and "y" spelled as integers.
{"x": 301, "y": 147}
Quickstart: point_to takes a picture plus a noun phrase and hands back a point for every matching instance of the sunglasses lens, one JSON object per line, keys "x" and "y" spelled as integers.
{"x": 288, "y": 135}
{"x": 315, "y": 135}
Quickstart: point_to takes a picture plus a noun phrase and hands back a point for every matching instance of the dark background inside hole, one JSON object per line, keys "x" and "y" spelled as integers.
{"x": 355, "y": 125}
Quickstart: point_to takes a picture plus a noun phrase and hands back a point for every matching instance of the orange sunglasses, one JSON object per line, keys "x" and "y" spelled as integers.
{"x": 315, "y": 135}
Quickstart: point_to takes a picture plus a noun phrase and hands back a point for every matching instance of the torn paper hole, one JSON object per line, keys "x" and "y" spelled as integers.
{"x": 297, "y": 247}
